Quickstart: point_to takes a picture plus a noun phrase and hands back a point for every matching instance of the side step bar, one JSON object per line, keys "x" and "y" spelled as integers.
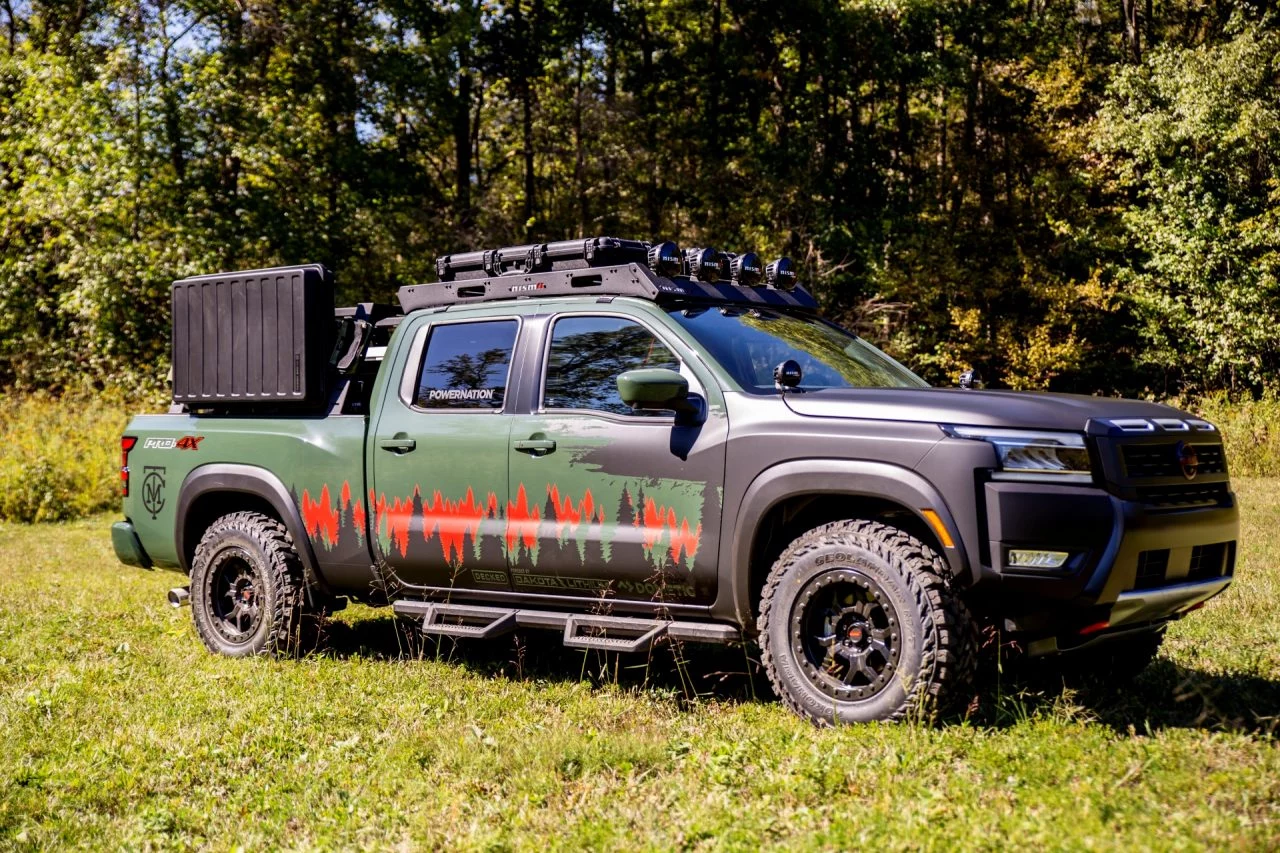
{"x": 581, "y": 631}
{"x": 637, "y": 635}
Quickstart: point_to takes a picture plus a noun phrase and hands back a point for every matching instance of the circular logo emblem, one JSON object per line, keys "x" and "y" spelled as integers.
{"x": 1188, "y": 459}
{"x": 153, "y": 491}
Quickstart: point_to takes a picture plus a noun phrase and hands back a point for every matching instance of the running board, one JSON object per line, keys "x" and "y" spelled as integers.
{"x": 593, "y": 632}
{"x": 581, "y": 631}
{"x": 459, "y": 620}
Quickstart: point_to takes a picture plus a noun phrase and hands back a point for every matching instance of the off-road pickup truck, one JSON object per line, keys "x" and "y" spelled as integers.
{"x": 629, "y": 444}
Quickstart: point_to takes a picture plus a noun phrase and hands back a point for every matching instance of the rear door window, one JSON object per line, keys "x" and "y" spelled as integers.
{"x": 466, "y": 365}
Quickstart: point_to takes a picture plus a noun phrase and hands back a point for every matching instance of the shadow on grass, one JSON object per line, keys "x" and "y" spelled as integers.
{"x": 690, "y": 671}
{"x": 1165, "y": 695}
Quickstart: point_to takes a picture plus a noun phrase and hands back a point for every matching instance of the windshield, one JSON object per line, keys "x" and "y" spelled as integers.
{"x": 750, "y": 342}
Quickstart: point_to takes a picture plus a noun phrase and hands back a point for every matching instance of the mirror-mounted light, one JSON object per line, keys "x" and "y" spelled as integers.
{"x": 787, "y": 375}
{"x": 781, "y": 274}
{"x": 745, "y": 270}
{"x": 703, "y": 264}
{"x": 665, "y": 259}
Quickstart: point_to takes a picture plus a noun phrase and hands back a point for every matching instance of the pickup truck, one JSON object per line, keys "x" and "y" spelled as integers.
{"x": 630, "y": 444}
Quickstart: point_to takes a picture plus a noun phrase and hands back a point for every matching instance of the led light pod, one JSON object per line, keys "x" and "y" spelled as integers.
{"x": 781, "y": 274}
{"x": 745, "y": 270}
{"x": 703, "y": 264}
{"x": 665, "y": 259}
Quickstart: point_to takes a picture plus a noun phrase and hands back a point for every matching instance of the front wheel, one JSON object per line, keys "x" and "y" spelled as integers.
{"x": 857, "y": 623}
{"x": 247, "y": 588}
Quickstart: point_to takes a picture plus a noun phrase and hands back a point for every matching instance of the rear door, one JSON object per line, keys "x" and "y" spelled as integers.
{"x": 439, "y": 455}
{"x": 604, "y": 500}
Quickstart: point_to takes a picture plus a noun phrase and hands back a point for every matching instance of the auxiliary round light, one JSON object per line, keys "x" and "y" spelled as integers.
{"x": 746, "y": 270}
{"x": 703, "y": 264}
{"x": 665, "y": 259}
{"x": 781, "y": 274}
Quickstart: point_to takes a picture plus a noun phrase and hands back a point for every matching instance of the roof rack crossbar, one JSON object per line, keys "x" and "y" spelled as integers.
{"x": 632, "y": 279}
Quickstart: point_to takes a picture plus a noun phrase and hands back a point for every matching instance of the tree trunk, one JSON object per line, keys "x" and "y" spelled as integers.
{"x": 462, "y": 149}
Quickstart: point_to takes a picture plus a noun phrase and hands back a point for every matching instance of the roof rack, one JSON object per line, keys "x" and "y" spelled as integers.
{"x": 629, "y": 280}
{"x": 607, "y": 266}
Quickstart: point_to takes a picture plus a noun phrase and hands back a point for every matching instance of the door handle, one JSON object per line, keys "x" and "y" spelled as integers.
{"x": 536, "y": 446}
{"x": 398, "y": 445}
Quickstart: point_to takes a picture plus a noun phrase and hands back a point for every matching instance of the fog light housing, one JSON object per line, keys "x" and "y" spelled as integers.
{"x": 1025, "y": 558}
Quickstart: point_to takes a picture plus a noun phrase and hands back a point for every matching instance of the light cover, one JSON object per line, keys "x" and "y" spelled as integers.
{"x": 1024, "y": 558}
{"x": 1060, "y": 457}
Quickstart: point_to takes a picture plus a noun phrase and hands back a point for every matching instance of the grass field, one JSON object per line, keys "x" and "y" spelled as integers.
{"x": 121, "y": 731}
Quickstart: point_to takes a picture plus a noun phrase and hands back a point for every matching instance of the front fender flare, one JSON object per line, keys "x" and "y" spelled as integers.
{"x": 836, "y": 477}
{"x": 249, "y": 480}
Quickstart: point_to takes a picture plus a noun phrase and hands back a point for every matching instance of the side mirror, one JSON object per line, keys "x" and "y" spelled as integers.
{"x": 657, "y": 388}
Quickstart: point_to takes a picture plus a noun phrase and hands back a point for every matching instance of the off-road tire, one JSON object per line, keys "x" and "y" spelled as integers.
{"x": 260, "y": 547}
{"x": 938, "y": 639}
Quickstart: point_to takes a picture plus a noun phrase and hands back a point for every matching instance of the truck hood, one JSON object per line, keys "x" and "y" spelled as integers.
{"x": 1016, "y": 409}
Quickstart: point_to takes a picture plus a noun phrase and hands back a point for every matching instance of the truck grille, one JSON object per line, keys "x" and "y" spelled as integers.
{"x": 1211, "y": 561}
{"x": 1207, "y": 562}
{"x": 1189, "y": 496}
{"x": 1152, "y": 566}
{"x": 1142, "y": 461}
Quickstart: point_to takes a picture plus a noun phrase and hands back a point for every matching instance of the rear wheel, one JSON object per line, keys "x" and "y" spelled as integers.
{"x": 248, "y": 588}
{"x": 857, "y": 623}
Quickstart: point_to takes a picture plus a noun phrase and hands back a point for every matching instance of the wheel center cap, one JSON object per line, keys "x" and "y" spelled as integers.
{"x": 855, "y": 633}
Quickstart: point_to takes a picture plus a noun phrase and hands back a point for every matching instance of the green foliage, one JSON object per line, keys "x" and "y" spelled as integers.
{"x": 122, "y": 732}
{"x": 1250, "y": 431}
{"x": 1066, "y": 196}
{"x": 1193, "y": 135}
{"x": 61, "y": 456}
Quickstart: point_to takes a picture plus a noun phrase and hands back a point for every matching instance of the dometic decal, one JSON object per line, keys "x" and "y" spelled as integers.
{"x": 187, "y": 442}
{"x": 153, "y": 490}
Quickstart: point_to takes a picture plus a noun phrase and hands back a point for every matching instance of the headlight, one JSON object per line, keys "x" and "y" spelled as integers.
{"x": 1057, "y": 457}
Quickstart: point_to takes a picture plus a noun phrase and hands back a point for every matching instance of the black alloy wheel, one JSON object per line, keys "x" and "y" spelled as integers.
{"x": 847, "y": 634}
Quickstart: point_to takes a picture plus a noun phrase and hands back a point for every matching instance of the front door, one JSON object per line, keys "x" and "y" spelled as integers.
{"x": 439, "y": 458}
{"x": 606, "y": 501}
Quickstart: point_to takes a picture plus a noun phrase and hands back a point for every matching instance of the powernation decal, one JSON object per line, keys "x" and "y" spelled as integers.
{"x": 469, "y": 394}
{"x": 568, "y": 524}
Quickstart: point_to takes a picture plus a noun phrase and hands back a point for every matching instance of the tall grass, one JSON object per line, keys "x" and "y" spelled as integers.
{"x": 1250, "y": 430}
{"x": 59, "y": 456}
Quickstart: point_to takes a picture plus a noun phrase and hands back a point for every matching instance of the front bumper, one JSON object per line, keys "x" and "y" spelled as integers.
{"x": 1130, "y": 565}
{"x": 128, "y": 546}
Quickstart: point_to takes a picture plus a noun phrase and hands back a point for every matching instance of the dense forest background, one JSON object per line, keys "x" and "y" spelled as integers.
{"x": 1067, "y": 194}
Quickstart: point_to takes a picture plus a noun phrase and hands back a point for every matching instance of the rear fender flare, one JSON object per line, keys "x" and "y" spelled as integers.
{"x": 852, "y": 478}
{"x": 222, "y": 477}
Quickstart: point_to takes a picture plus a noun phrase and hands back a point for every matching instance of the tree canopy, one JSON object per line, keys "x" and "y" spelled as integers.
{"x": 1066, "y": 195}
